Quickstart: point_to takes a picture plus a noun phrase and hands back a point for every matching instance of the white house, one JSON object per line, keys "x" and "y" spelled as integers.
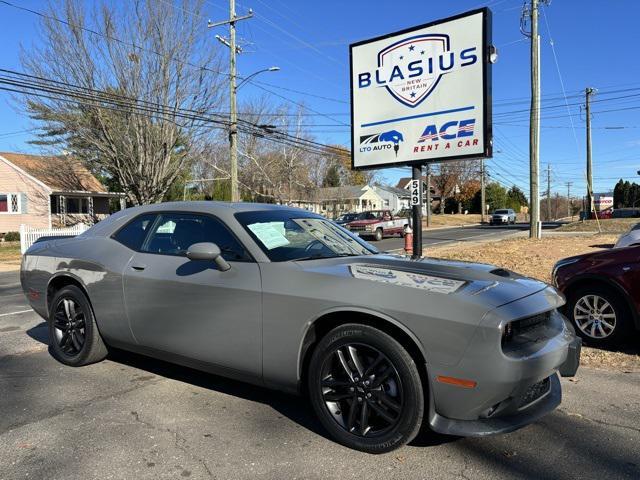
{"x": 394, "y": 199}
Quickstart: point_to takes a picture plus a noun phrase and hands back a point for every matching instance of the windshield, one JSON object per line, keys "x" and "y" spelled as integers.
{"x": 347, "y": 217}
{"x": 286, "y": 235}
{"x": 370, "y": 215}
{"x": 503, "y": 212}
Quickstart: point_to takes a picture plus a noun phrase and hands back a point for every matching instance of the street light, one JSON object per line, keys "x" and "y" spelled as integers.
{"x": 246, "y": 79}
{"x": 233, "y": 127}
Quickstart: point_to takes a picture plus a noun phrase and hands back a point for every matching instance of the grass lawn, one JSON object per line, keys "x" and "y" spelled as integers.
{"x": 452, "y": 220}
{"x": 536, "y": 259}
{"x": 9, "y": 256}
{"x": 611, "y": 225}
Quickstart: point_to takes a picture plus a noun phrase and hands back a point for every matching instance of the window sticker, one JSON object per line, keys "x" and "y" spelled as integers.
{"x": 271, "y": 234}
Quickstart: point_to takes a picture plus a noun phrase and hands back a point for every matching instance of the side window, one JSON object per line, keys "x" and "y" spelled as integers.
{"x": 176, "y": 232}
{"x": 132, "y": 235}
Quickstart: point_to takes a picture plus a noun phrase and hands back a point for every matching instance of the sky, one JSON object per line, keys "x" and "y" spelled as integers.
{"x": 584, "y": 43}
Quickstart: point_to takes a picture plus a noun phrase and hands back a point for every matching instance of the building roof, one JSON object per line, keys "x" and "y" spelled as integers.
{"x": 400, "y": 192}
{"x": 60, "y": 173}
{"x": 348, "y": 192}
{"x": 403, "y": 183}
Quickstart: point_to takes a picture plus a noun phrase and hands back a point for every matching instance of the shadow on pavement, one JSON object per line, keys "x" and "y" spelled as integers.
{"x": 566, "y": 447}
{"x": 295, "y": 408}
{"x": 39, "y": 333}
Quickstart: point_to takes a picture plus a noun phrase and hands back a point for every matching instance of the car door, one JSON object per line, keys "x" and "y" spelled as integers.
{"x": 190, "y": 308}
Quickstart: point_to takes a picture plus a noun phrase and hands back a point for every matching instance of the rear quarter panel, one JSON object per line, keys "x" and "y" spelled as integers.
{"x": 97, "y": 264}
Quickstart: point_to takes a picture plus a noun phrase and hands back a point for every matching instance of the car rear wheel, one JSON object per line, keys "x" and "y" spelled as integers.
{"x": 73, "y": 335}
{"x": 599, "y": 315}
{"x": 366, "y": 389}
{"x": 378, "y": 235}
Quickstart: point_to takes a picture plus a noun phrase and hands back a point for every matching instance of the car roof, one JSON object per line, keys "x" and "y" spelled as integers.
{"x": 224, "y": 210}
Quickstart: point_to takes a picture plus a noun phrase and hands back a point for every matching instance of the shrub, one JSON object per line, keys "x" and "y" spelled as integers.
{"x": 12, "y": 237}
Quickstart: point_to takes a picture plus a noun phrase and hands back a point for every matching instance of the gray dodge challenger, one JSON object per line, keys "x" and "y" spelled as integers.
{"x": 289, "y": 300}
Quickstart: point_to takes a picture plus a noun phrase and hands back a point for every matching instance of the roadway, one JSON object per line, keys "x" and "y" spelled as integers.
{"x": 443, "y": 236}
{"x": 133, "y": 417}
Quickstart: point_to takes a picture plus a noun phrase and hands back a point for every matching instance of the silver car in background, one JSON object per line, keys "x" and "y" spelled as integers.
{"x": 286, "y": 299}
{"x": 503, "y": 216}
{"x": 632, "y": 237}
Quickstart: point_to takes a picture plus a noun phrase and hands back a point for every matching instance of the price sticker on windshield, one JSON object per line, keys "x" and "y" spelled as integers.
{"x": 416, "y": 192}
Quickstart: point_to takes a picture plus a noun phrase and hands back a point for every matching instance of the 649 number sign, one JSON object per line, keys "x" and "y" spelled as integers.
{"x": 416, "y": 192}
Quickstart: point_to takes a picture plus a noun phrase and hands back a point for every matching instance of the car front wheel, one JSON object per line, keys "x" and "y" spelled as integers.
{"x": 599, "y": 315}
{"x": 378, "y": 235}
{"x": 73, "y": 335}
{"x": 366, "y": 389}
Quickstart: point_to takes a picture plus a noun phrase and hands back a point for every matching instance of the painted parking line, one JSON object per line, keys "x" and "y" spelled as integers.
{"x": 15, "y": 313}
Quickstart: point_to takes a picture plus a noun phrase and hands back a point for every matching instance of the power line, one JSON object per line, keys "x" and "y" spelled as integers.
{"x": 555, "y": 58}
{"x": 53, "y": 90}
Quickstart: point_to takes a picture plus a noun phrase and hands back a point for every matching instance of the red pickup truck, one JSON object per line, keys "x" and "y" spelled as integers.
{"x": 378, "y": 224}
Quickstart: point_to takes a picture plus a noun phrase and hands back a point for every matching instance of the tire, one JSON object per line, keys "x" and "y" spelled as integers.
{"x": 393, "y": 408}
{"x": 377, "y": 236}
{"x": 82, "y": 344}
{"x": 605, "y": 326}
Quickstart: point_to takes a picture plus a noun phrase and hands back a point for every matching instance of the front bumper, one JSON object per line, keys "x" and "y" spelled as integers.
{"x": 516, "y": 416}
{"x": 508, "y": 392}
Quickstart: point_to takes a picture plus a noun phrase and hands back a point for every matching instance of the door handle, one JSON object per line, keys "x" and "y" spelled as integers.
{"x": 138, "y": 267}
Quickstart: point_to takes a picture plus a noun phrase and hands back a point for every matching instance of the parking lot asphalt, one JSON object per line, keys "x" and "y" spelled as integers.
{"x": 134, "y": 417}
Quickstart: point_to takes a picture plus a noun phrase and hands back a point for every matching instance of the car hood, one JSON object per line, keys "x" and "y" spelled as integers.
{"x": 487, "y": 284}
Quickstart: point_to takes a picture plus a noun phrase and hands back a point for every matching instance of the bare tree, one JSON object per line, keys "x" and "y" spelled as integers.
{"x": 153, "y": 58}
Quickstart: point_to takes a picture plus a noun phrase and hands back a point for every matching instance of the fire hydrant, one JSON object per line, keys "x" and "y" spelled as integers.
{"x": 408, "y": 240}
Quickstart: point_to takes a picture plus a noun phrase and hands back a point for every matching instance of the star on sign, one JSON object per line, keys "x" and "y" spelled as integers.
{"x": 413, "y": 94}
{"x": 421, "y": 52}
{"x": 401, "y": 57}
{"x": 411, "y": 48}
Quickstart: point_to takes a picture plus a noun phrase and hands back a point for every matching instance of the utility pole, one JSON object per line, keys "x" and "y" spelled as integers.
{"x": 530, "y": 13}
{"x": 416, "y": 177}
{"x": 588, "y": 92}
{"x": 233, "y": 121}
{"x": 569, "y": 209}
{"x": 428, "y": 195}
{"x": 548, "y": 192}
{"x": 482, "y": 194}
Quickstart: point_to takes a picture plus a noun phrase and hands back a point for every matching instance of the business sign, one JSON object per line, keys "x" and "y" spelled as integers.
{"x": 422, "y": 94}
{"x": 416, "y": 192}
{"x": 602, "y": 202}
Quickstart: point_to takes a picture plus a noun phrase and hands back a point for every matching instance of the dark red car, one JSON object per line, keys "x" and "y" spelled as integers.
{"x": 603, "y": 293}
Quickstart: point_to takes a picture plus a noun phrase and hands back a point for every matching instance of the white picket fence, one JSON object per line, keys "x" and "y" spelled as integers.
{"x": 29, "y": 235}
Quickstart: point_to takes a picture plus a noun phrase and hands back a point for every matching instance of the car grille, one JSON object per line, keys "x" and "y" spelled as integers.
{"x": 357, "y": 228}
{"x": 527, "y": 324}
{"x": 534, "y": 392}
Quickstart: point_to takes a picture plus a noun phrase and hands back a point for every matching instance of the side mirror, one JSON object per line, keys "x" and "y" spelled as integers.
{"x": 208, "y": 251}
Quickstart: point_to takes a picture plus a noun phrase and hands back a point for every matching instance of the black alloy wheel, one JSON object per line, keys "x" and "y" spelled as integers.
{"x": 362, "y": 389}
{"x": 69, "y": 326}
{"x": 366, "y": 389}
{"x": 73, "y": 333}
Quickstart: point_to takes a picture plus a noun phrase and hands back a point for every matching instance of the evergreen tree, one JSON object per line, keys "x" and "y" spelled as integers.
{"x": 332, "y": 176}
